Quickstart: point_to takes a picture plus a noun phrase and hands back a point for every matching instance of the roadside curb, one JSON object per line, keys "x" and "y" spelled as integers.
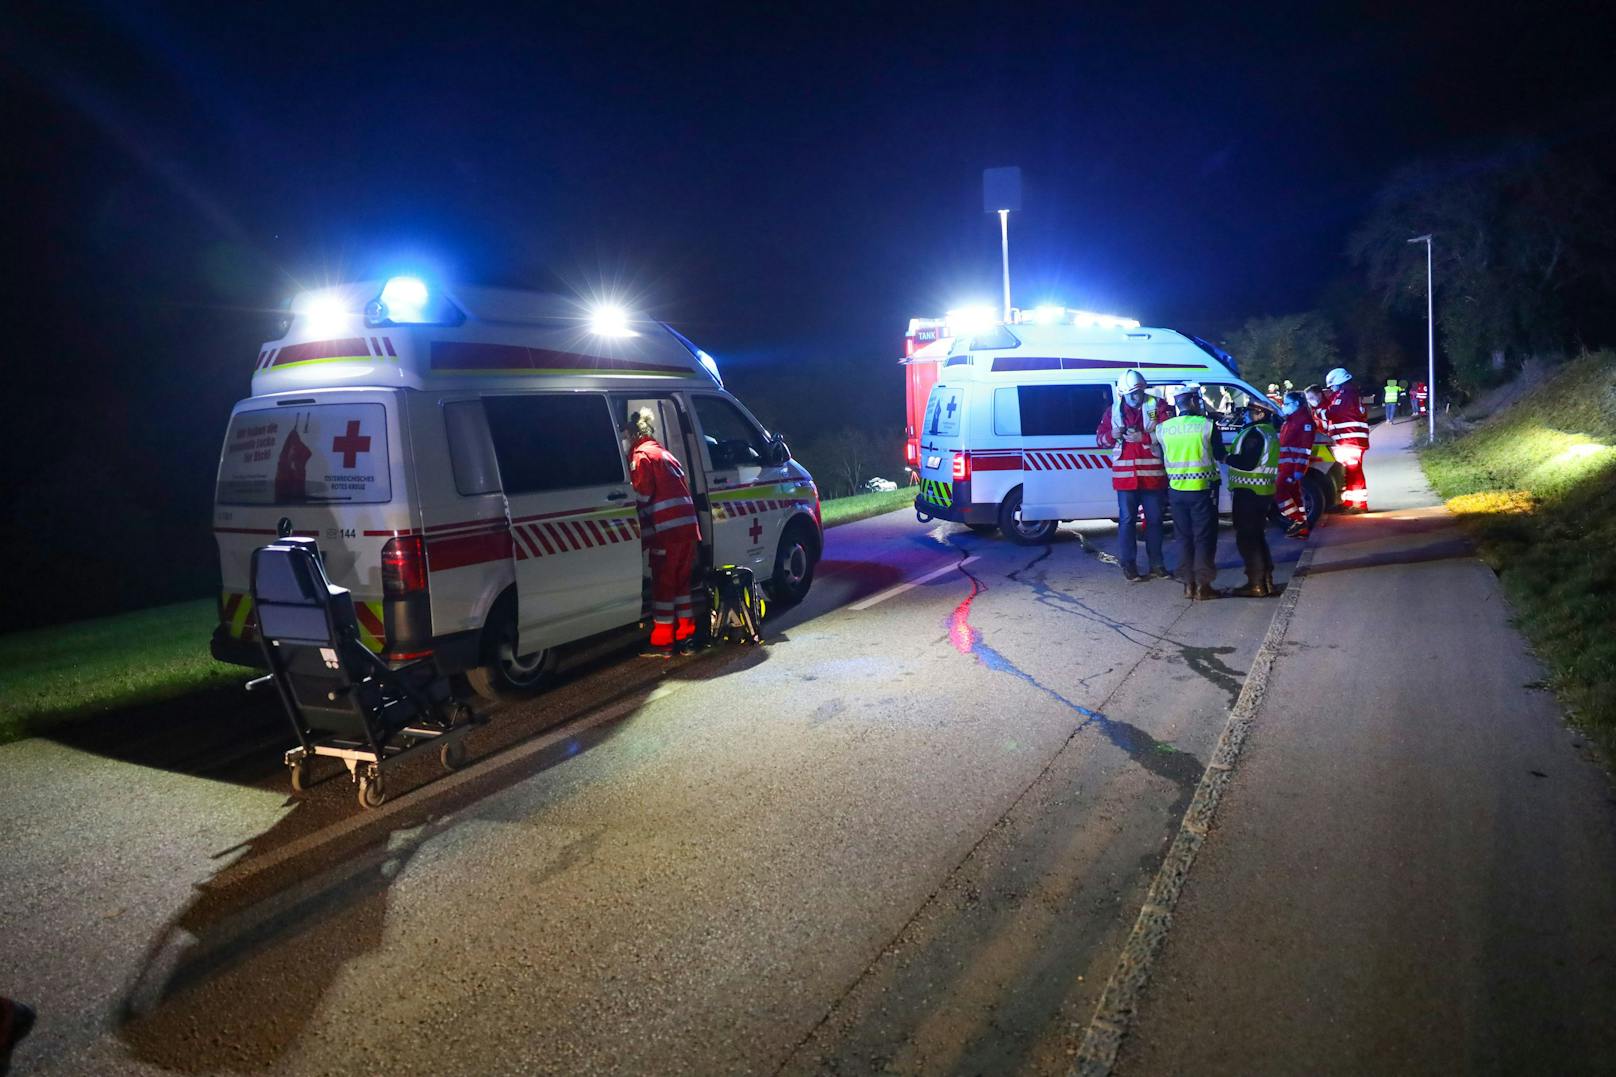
{"x": 1107, "y": 1028}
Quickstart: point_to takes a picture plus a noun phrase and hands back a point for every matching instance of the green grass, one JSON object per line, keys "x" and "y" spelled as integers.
{"x": 55, "y": 674}
{"x": 1536, "y": 485}
{"x": 844, "y": 510}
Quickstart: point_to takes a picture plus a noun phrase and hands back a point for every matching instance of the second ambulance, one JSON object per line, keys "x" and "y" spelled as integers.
{"x": 1002, "y": 414}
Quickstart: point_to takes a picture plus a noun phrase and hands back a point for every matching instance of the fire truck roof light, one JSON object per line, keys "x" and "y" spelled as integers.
{"x": 610, "y": 320}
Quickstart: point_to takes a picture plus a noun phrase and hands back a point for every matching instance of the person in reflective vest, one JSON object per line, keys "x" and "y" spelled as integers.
{"x": 1348, "y": 425}
{"x": 1253, "y": 475}
{"x": 1421, "y": 393}
{"x": 1190, "y": 450}
{"x": 1137, "y": 474}
{"x": 1391, "y": 396}
{"x": 1296, "y": 447}
{"x": 668, "y": 530}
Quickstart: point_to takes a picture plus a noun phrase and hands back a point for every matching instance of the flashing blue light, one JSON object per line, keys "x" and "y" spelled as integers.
{"x": 710, "y": 365}
{"x": 405, "y": 299}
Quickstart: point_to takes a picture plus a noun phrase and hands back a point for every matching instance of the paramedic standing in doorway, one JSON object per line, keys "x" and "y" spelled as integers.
{"x": 668, "y": 529}
{"x": 1191, "y": 448}
{"x": 1137, "y": 474}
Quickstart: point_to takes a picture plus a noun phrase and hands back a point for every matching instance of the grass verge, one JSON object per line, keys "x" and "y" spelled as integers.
{"x": 845, "y": 510}
{"x": 55, "y": 675}
{"x": 1535, "y": 484}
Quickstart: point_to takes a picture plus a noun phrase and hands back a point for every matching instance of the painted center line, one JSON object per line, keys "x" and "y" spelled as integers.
{"x": 898, "y": 589}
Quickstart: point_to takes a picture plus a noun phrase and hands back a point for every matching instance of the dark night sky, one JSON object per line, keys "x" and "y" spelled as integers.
{"x": 779, "y": 186}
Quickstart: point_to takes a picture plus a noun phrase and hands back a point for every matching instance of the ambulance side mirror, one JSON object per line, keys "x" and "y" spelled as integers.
{"x": 777, "y": 454}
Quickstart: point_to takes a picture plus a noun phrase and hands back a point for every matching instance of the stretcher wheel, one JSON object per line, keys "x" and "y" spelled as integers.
{"x": 371, "y": 793}
{"x": 453, "y": 754}
{"x": 300, "y": 776}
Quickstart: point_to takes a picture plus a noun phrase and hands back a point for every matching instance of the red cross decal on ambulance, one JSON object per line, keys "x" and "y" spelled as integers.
{"x": 755, "y": 531}
{"x": 350, "y": 445}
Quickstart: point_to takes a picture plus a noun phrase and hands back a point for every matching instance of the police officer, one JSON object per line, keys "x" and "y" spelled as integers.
{"x": 1190, "y": 450}
{"x": 1253, "y": 473}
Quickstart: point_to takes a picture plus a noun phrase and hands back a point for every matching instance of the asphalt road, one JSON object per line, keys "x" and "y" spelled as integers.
{"x": 908, "y": 835}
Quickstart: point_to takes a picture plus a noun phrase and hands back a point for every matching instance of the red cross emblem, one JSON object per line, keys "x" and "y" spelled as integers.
{"x": 350, "y": 445}
{"x": 756, "y": 531}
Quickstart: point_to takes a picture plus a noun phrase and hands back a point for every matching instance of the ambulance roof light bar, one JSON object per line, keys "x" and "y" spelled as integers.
{"x": 408, "y": 301}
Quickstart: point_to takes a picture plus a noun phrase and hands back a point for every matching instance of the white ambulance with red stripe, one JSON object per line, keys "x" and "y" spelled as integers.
{"x": 457, "y": 454}
{"x": 1006, "y": 437}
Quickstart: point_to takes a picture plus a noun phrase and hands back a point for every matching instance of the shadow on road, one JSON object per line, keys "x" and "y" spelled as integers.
{"x": 238, "y": 976}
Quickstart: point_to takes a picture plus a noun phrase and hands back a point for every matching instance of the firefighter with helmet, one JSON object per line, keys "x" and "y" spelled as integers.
{"x": 1348, "y": 425}
{"x": 1190, "y": 449}
{"x": 1137, "y": 474}
{"x": 668, "y": 530}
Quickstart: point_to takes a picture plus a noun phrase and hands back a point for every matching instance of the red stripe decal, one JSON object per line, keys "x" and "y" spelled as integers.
{"x": 320, "y": 349}
{"x": 375, "y": 345}
{"x": 583, "y": 536}
{"x": 387, "y": 342}
{"x": 454, "y": 355}
{"x": 600, "y": 539}
{"x": 389, "y": 534}
{"x": 996, "y": 463}
{"x": 561, "y": 537}
{"x": 521, "y": 554}
{"x": 523, "y": 540}
{"x": 458, "y": 551}
{"x": 230, "y": 607}
{"x": 550, "y": 515}
{"x": 541, "y": 542}
{"x": 368, "y": 621}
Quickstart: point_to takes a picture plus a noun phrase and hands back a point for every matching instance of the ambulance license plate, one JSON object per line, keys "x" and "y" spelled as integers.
{"x": 934, "y": 461}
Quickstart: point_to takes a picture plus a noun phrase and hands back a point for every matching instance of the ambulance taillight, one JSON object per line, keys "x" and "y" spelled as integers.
{"x": 911, "y": 454}
{"x": 962, "y": 466}
{"x": 404, "y": 566}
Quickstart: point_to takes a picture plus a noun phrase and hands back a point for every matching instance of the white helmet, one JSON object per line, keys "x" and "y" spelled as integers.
{"x": 1191, "y": 389}
{"x": 1131, "y": 382}
{"x": 1338, "y": 377}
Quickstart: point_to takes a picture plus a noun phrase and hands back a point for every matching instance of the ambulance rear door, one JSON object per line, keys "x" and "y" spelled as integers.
{"x": 1065, "y": 474}
{"x": 328, "y": 465}
{"x": 574, "y": 525}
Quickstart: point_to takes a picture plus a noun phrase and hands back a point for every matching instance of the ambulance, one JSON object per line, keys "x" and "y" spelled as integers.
{"x": 457, "y": 454}
{"x": 1005, "y": 437}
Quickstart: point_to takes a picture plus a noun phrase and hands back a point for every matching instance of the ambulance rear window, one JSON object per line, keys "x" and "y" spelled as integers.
{"x": 307, "y": 454}
{"x": 943, "y": 411}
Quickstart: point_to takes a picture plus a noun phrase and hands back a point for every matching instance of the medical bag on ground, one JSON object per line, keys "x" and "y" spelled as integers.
{"x": 737, "y": 605}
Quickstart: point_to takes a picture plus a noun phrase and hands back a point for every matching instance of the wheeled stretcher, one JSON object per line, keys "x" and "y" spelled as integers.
{"x": 342, "y": 699}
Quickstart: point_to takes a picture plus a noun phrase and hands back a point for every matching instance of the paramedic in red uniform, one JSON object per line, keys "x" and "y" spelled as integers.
{"x": 1295, "y": 454}
{"x": 1137, "y": 473}
{"x": 1348, "y": 423}
{"x": 668, "y": 529}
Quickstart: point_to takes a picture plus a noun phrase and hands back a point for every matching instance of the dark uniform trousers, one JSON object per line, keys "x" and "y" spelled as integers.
{"x": 1195, "y": 522}
{"x": 1250, "y": 523}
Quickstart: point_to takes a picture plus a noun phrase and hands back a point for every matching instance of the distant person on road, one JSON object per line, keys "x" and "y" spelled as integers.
{"x": 668, "y": 530}
{"x": 1190, "y": 449}
{"x": 1297, "y": 437}
{"x": 1421, "y": 394}
{"x": 1137, "y": 474}
{"x": 1349, "y": 433}
{"x": 1393, "y": 395}
{"x": 16, "y": 1021}
{"x": 1253, "y": 476}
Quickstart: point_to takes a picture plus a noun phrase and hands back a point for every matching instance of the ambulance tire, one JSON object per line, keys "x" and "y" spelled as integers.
{"x": 1315, "y": 497}
{"x": 794, "y": 565}
{"x": 505, "y": 675}
{"x": 1036, "y": 533}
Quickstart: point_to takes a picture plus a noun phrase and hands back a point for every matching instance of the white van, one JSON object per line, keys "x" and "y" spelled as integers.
{"x": 457, "y": 455}
{"x": 1007, "y": 439}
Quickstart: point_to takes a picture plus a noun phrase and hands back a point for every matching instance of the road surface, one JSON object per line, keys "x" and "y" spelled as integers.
{"x": 910, "y": 834}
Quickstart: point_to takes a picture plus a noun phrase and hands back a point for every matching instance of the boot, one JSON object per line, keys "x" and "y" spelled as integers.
{"x": 1159, "y": 572}
{"x": 1205, "y": 592}
{"x": 1268, "y": 582}
{"x": 1254, "y": 588}
{"x": 1189, "y": 591}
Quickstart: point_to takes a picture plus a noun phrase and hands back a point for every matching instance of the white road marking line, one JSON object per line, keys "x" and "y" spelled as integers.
{"x": 898, "y": 589}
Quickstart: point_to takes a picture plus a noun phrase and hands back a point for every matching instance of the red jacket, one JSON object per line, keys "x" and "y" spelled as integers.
{"x": 1135, "y": 465}
{"x": 667, "y": 511}
{"x": 1346, "y": 419}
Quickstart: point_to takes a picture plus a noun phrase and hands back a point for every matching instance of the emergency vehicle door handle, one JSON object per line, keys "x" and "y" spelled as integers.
{"x": 618, "y": 496}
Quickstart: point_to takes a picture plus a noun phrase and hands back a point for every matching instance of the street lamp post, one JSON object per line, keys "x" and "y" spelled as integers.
{"x": 1430, "y": 341}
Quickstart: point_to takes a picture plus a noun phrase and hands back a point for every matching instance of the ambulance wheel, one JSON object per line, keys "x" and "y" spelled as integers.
{"x": 507, "y": 675}
{"x": 1024, "y": 532}
{"x": 300, "y": 776}
{"x": 793, "y": 566}
{"x": 371, "y": 793}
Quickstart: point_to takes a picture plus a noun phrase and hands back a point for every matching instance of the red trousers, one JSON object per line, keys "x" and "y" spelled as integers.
{"x": 671, "y": 604}
{"x": 1288, "y": 493}
{"x": 1355, "y": 493}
